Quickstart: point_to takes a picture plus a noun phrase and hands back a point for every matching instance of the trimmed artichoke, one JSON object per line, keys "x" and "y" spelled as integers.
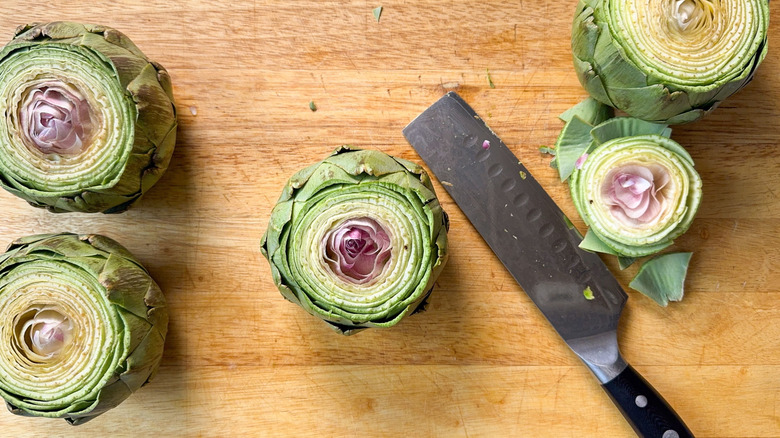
{"x": 82, "y": 326}
{"x": 89, "y": 123}
{"x": 357, "y": 239}
{"x": 668, "y": 61}
{"x": 634, "y": 187}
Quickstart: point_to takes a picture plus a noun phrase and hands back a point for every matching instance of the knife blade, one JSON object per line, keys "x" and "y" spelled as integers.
{"x": 539, "y": 246}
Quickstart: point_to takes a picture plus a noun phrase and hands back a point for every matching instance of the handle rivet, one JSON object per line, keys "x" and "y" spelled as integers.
{"x": 641, "y": 401}
{"x": 670, "y": 434}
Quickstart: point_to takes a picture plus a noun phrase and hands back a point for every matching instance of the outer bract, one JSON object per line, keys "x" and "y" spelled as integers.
{"x": 82, "y": 326}
{"x": 88, "y": 122}
{"x": 357, "y": 240}
{"x": 668, "y": 61}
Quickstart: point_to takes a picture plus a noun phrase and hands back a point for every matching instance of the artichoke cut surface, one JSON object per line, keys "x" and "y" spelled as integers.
{"x": 89, "y": 122}
{"x": 668, "y": 61}
{"x": 635, "y": 188}
{"x": 82, "y": 326}
{"x": 357, "y": 239}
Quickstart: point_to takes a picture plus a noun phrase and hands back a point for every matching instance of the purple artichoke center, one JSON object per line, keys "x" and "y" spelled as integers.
{"x": 357, "y": 250}
{"x": 634, "y": 193}
{"x": 45, "y": 332}
{"x": 56, "y": 118}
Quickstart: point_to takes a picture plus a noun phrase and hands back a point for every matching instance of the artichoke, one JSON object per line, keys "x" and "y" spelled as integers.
{"x": 668, "y": 61}
{"x": 634, "y": 187}
{"x": 82, "y": 326}
{"x": 89, "y": 123}
{"x": 357, "y": 239}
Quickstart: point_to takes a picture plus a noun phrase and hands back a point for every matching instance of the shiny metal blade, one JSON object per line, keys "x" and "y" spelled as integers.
{"x": 525, "y": 228}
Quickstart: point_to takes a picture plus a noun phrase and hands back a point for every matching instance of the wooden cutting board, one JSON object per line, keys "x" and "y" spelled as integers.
{"x": 482, "y": 361}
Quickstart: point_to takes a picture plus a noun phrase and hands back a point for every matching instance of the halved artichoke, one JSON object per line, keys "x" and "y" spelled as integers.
{"x": 88, "y": 124}
{"x": 668, "y": 61}
{"x": 82, "y": 326}
{"x": 634, "y": 187}
{"x": 357, "y": 239}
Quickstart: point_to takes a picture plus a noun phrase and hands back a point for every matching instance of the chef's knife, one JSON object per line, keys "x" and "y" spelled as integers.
{"x": 540, "y": 248}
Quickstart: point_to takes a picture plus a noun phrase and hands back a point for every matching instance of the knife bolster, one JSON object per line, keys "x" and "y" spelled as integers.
{"x": 600, "y": 353}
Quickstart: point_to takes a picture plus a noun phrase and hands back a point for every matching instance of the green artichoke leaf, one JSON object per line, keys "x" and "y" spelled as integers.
{"x": 662, "y": 278}
{"x": 585, "y": 33}
{"x": 357, "y": 240}
{"x": 590, "y": 111}
{"x": 591, "y": 80}
{"x": 591, "y": 242}
{"x": 668, "y": 61}
{"x": 82, "y": 326}
{"x": 575, "y": 139}
{"x": 573, "y": 142}
{"x": 89, "y": 123}
{"x": 627, "y": 127}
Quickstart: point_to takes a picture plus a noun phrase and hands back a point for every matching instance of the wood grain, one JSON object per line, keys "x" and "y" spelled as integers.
{"x": 482, "y": 361}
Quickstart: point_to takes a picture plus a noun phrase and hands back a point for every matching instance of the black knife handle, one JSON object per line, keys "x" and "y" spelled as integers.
{"x": 646, "y": 411}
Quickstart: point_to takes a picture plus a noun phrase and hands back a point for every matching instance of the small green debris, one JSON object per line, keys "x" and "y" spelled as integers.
{"x": 588, "y": 293}
{"x": 625, "y": 262}
{"x": 523, "y": 175}
{"x": 377, "y": 13}
{"x": 490, "y": 80}
{"x": 547, "y": 150}
{"x": 312, "y": 106}
{"x": 569, "y": 223}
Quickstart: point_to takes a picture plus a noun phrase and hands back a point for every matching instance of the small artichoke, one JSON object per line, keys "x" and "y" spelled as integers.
{"x": 634, "y": 187}
{"x": 88, "y": 123}
{"x": 668, "y": 61}
{"x": 357, "y": 239}
{"x": 82, "y": 326}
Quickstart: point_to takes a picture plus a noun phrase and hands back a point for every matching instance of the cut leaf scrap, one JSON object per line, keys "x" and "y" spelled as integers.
{"x": 588, "y": 293}
{"x": 662, "y": 278}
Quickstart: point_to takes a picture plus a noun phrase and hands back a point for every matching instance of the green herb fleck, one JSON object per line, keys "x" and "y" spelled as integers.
{"x": 588, "y": 293}
{"x": 547, "y": 150}
{"x": 490, "y": 80}
{"x": 568, "y": 222}
{"x": 377, "y": 13}
{"x": 523, "y": 175}
{"x": 312, "y": 106}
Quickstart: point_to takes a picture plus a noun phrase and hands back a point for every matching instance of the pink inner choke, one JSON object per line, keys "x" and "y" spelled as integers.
{"x": 56, "y": 118}
{"x": 47, "y": 333}
{"x": 357, "y": 250}
{"x": 633, "y": 193}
